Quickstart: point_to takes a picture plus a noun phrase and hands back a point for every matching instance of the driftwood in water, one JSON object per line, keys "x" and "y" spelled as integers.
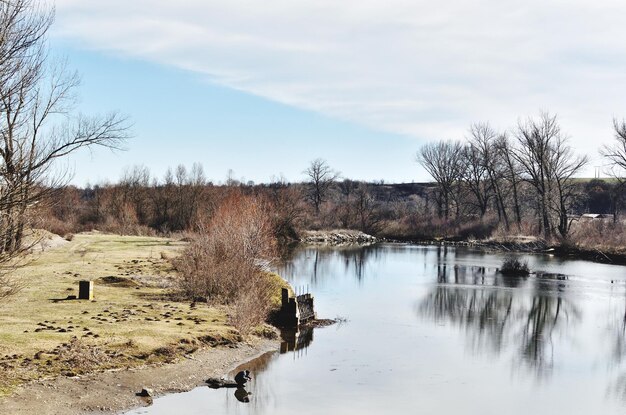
{"x": 216, "y": 383}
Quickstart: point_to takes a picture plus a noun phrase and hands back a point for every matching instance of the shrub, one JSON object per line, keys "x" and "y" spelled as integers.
{"x": 599, "y": 234}
{"x": 251, "y": 306}
{"x": 514, "y": 267}
{"x": 227, "y": 260}
{"x": 55, "y": 225}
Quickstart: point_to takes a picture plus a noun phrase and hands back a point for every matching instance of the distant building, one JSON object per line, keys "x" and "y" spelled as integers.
{"x": 593, "y": 216}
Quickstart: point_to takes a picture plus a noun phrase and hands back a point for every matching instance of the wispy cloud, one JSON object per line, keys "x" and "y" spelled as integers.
{"x": 423, "y": 68}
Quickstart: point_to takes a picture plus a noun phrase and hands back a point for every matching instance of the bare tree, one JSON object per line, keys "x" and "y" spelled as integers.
{"x": 485, "y": 140}
{"x": 534, "y": 139}
{"x": 443, "y": 161}
{"x": 549, "y": 165}
{"x": 347, "y": 188}
{"x": 287, "y": 210}
{"x": 321, "y": 178}
{"x": 36, "y": 125}
{"x": 565, "y": 165}
{"x": 616, "y": 155}
{"x": 366, "y": 209}
{"x": 510, "y": 172}
{"x": 135, "y": 182}
{"x": 475, "y": 175}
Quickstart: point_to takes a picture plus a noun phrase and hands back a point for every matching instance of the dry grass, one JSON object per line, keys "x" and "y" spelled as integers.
{"x": 128, "y": 320}
{"x": 599, "y": 234}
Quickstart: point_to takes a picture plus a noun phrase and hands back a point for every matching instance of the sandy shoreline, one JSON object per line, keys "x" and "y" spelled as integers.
{"x": 114, "y": 392}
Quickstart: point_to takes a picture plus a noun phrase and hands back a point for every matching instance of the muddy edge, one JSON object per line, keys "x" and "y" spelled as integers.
{"x": 115, "y": 392}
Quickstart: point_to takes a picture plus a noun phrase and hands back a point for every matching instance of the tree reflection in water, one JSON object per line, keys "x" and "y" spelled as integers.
{"x": 500, "y": 313}
{"x": 497, "y": 313}
{"x": 617, "y": 329}
{"x": 356, "y": 259}
{"x": 315, "y": 261}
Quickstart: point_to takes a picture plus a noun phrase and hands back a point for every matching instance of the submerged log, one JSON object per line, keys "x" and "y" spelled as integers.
{"x": 216, "y": 383}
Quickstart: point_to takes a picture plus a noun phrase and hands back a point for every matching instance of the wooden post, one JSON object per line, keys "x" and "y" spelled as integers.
{"x": 85, "y": 290}
{"x": 285, "y": 296}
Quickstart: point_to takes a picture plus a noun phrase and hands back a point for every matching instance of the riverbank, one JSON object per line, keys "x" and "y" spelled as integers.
{"x": 527, "y": 244}
{"x": 58, "y": 353}
{"x": 115, "y": 391}
{"x": 517, "y": 243}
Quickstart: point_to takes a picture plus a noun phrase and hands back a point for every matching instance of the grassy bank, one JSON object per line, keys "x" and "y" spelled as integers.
{"x": 133, "y": 320}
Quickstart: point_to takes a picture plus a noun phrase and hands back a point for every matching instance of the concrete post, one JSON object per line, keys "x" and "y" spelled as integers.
{"x": 85, "y": 290}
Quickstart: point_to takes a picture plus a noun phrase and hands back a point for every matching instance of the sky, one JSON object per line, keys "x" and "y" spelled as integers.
{"x": 263, "y": 88}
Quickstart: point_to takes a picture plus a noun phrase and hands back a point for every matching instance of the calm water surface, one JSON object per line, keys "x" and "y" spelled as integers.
{"x": 435, "y": 330}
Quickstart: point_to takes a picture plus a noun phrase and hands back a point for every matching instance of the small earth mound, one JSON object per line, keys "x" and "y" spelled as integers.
{"x": 40, "y": 240}
{"x": 118, "y": 281}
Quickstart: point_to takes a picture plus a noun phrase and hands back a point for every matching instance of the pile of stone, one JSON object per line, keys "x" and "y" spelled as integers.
{"x": 337, "y": 237}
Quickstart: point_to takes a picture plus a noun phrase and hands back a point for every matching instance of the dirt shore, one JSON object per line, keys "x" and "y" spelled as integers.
{"x": 115, "y": 391}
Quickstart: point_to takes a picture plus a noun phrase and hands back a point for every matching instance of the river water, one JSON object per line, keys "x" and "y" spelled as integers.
{"x": 436, "y": 330}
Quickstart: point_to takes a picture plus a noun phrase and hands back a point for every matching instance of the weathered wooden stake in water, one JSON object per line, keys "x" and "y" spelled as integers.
{"x": 284, "y": 296}
{"x": 85, "y": 290}
{"x": 296, "y": 310}
{"x": 306, "y": 310}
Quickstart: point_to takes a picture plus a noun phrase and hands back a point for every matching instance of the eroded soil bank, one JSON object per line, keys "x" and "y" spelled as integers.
{"x": 116, "y": 391}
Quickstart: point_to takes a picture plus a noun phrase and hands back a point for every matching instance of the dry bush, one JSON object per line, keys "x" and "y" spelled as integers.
{"x": 252, "y": 305}
{"x": 420, "y": 226}
{"x": 287, "y": 212}
{"x": 56, "y": 226}
{"x": 224, "y": 264}
{"x": 477, "y": 228}
{"x": 514, "y": 267}
{"x": 415, "y": 225}
{"x": 526, "y": 228}
{"x": 600, "y": 234}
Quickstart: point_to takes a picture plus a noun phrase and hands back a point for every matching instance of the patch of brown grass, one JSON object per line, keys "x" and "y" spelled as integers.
{"x": 599, "y": 234}
{"x": 80, "y": 357}
{"x": 124, "y": 322}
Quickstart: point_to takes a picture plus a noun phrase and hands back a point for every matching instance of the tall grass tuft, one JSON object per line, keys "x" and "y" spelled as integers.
{"x": 514, "y": 267}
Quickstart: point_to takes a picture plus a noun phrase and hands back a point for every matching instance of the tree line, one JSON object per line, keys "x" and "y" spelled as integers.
{"x": 527, "y": 173}
{"x": 141, "y": 203}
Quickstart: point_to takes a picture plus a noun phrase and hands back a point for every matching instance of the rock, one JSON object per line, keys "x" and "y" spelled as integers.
{"x": 146, "y": 393}
{"x": 337, "y": 237}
